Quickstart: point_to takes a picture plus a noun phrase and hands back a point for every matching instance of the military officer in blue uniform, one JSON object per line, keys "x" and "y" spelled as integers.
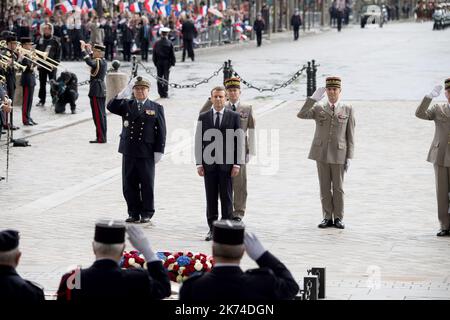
{"x": 13, "y": 288}
{"x": 142, "y": 144}
{"x": 272, "y": 281}
{"x": 105, "y": 281}
{"x": 97, "y": 90}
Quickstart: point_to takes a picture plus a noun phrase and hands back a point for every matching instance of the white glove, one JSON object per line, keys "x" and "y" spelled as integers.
{"x": 318, "y": 94}
{"x": 141, "y": 243}
{"x": 347, "y": 164}
{"x": 253, "y": 246}
{"x": 435, "y": 93}
{"x": 158, "y": 156}
{"x": 126, "y": 92}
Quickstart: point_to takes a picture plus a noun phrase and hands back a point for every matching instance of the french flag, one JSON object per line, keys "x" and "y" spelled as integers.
{"x": 204, "y": 10}
{"x": 49, "y": 5}
{"x": 162, "y": 10}
{"x": 123, "y": 6}
{"x": 66, "y": 6}
{"x": 31, "y": 6}
{"x": 149, "y": 4}
{"x": 178, "y": 7}
{"x": 134, "y": 7}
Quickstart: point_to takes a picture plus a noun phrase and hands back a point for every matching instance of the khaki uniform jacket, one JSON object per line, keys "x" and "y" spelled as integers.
{"x": 439, "y": 151}
{"x": 247, "y": 122}
{"x": 334, "y": 137}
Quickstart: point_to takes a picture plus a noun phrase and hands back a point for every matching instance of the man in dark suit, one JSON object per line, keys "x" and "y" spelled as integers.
{"x": 258, "y": 26}
{"x": 97, "y": 87}
{"x": 28, "y": 82}
{"x": 106, "y": 281}
{"x": 163, "y": 58}
{"x": 272, "y": 281}
{"x": 12, "y": 287}
{"x": 218, "y": 160}
{"x": 189, "y": 33}
{"x": 142, "y": 144}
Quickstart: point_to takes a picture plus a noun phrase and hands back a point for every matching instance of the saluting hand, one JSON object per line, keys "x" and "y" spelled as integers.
{"x": 253, "y": 246}
{"x": 319, "y": 94}
{"x": 436, "y": 92}
{"x": 140, "y": 242}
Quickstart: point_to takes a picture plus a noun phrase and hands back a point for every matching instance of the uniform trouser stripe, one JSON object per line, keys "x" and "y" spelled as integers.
{"x": 25, "y": 105}
{"x": 97, "y": 119}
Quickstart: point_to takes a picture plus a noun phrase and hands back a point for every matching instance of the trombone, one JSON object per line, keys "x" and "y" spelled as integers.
{"x": 6, "y": 62}
{"x": 35, "y": 58}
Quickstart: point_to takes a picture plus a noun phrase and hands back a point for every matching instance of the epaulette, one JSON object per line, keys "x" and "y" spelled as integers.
{"x": 35, "y": 284}
{"x": 194, "y": 277}
{"x": 260, "y": 271}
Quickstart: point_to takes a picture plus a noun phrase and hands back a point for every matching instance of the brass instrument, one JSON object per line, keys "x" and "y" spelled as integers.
{"x": 44, "y": 55}
{"x": 35, "y": 58}
{"x": 5, "y": 61}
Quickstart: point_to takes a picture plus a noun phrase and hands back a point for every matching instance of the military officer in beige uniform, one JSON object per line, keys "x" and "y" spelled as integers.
{"x": 439, "y": 154}
{"x": 332, "y": 147}
{"x": 233, "y": 88}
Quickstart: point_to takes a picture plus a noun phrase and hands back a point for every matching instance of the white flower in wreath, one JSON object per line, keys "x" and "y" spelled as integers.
{"x": 131, "y": 261}
{"x": 209, "y": 264}
{"x": 198, "y": 266}
{"x": 180, "y": 271}
{"x": 136, "y": 265}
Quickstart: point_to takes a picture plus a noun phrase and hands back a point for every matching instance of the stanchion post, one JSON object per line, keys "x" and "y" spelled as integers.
{"x": 308, "y": 80}
{"x": 313, "y": 76}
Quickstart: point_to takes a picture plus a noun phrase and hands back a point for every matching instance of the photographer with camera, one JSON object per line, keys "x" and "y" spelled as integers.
{"x": 64, "y": 90}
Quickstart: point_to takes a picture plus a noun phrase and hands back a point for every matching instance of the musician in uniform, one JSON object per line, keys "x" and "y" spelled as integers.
{"x": 51, "y": 45}
{"x": 97, "y": 89}
{"x": 106, "y": 281}
{"x": 13, "y": 288}
{"x": 28, "y": 82}
{"x": 142, "y": 144}
{"x": 10, "y": 75}
{"x": 272, "y": 281}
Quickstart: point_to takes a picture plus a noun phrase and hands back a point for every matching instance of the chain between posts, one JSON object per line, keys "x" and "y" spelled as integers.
{"x": 180, "y": 86}
{"x": 276, "y": 87}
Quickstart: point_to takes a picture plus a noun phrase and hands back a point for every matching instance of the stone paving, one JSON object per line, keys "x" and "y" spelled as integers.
{"x": 61, "y": 185}
{"x": 58, "y": 188}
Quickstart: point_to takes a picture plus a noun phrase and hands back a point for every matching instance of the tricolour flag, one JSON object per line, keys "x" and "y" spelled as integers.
{"x": 31, "y": 6}
{"x": 149, "y": 4}
{"x": 49, "y": 5}
{"x": 134, "y": 7}
{"x": 204, "y": 10}
{"x": 66, "y": 6}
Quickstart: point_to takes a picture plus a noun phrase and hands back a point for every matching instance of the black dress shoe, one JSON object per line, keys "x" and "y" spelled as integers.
{"x": 27, "y": 124}
{"x": 443, "y": 233}
{"x": 32, "y": 121}
{"x": 208, "y": 236}
{"x": 40, "y": 104}
{"x": 145, "y": 220}
{"x": 339, "y": 224}
{"x": 95, "y": 141}
{"x": 238, "y": 219}
{"x": 326, "y": 223}
{"x": 132, "y": 220}
{"x": 14, "y": 128}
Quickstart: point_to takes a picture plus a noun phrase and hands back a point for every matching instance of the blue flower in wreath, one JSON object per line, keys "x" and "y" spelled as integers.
{"x": 161, "y": 255}
{"x": 183, "y": 261}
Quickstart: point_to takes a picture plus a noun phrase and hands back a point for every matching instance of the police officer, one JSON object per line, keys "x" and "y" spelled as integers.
{"x": 13, "y": 288}
{"x": 142, "y": 144}
{"x": 97, "y": 87}
{"x": 65, "y": 90}
{"x": 28, "y": 82}
{"x": 332, "y": 147}
{"x": 247, "y": 119}
{"x": 50, "y": 44}
{"x": 439, "y": 154}
{"x": 272, "y": 281}
{"x": 163, "y": 58}
{"x": 106, "y": 281}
